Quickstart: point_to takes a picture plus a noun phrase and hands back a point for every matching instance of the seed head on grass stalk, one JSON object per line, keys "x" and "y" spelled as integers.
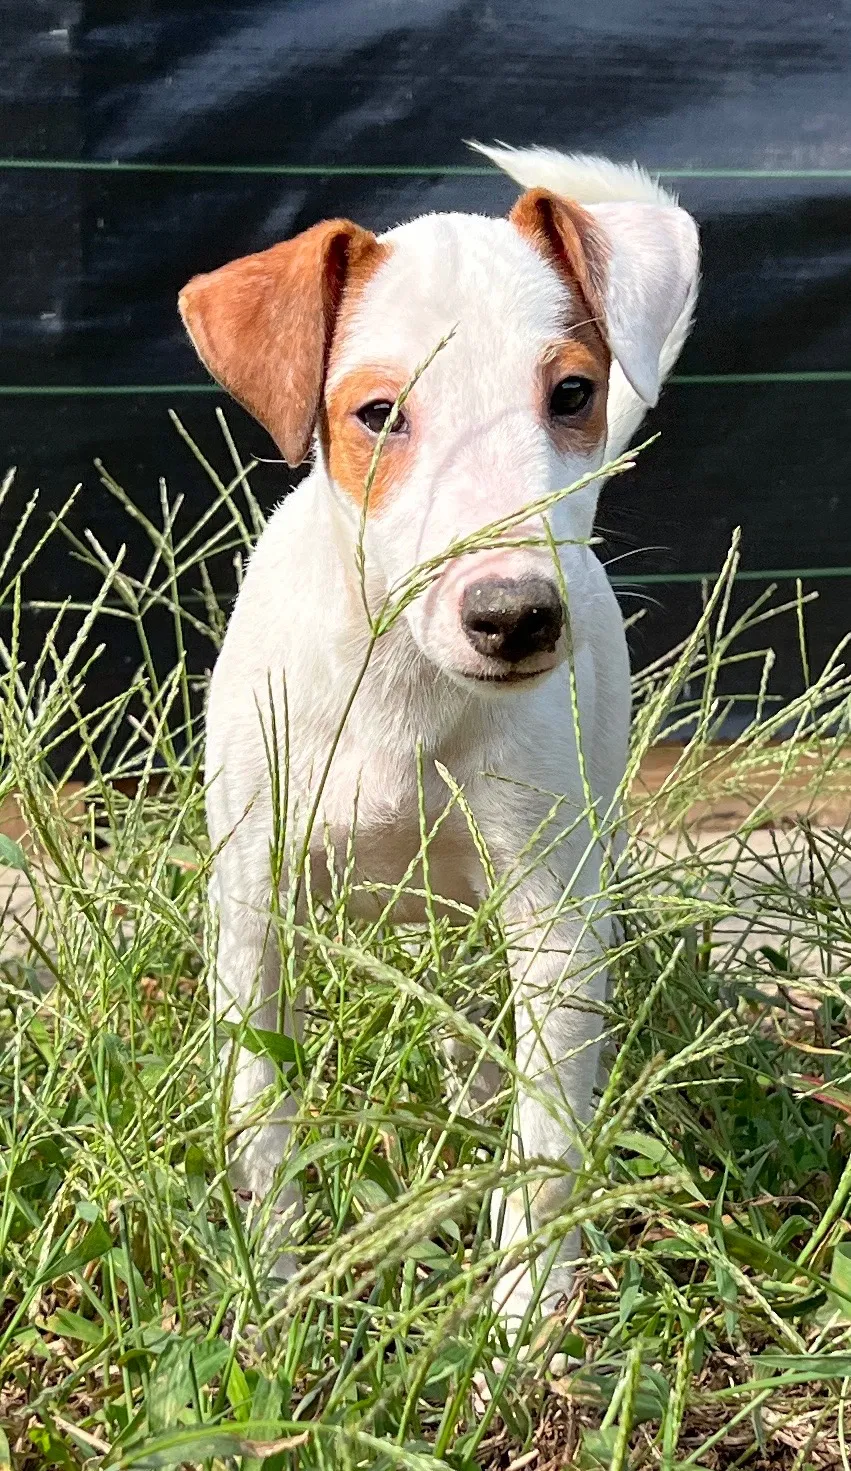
{"x": 713, "y": 1189}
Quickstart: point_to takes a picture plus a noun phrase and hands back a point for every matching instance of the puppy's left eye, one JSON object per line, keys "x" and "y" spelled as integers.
{"x": 375, "y": 415}
{"x": 570, "y": 396}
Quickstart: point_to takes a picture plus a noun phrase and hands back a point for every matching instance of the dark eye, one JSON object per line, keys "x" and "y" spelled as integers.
{"x": 569, "y": 396}
{"x": 375, "y": 415}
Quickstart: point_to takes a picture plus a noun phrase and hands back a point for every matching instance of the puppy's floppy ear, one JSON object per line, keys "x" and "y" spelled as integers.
{"x": 635, "y": 265}
{"x": 263, "y": 325}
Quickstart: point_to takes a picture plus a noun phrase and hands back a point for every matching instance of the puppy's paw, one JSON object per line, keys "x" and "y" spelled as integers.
{"x": 532, "y": 1361}
{"x": 519, "y": 1287}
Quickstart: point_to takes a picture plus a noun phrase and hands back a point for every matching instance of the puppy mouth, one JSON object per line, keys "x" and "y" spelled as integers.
{"x": 510, "y": 676}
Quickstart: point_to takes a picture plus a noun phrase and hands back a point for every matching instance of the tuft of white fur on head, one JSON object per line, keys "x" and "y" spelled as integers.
{"x": 579, "y": 176}
{"x": 597, "y": 181}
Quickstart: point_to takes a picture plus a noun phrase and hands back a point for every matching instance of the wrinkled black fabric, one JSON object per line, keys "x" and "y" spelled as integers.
{"x": 93, "y": 261}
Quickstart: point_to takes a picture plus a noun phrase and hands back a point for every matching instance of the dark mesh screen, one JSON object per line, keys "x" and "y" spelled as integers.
{"x": 139, "y": 151}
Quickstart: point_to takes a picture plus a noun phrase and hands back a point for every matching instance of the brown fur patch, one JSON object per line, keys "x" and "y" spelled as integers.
{"x": 361, "y": 271}
{"x": 349, "y": 447}
{"x": 569, "y": 238}
{"x": 264, "y": 324}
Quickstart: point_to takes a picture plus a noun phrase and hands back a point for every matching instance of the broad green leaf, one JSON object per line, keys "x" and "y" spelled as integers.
{"x": 265, "y": 1043}
{"x": 73, "y": 1325}
{"x": 370, "y": 1194}
{"x": 598, "y": 1242}
{"x": 238, "y": 1393}
{"x": 37, "y": 1030}
{"x": 209, "y": 1358}
{"x": 261, "y": 1439}
{"x": 651, "y": 1401}
{"x": 806, "y": 1368}
{"x": 29, "y": 1341}
{"x": 755, "y": 1253}
{"x": 53, "y": 1452}
{"x": 377, "y": 1169}
{"x": 840, "y": 1279}
{"x": 5, "y": 1453}
{"x": 793, "y": 1226}
{"x": 311, "y": 1154}
{"x": 170, "y": 1388}
{"x": 52, "y": 1150}
{"x": 799, "y": 1307}
{"x": 596, "y": 1447}
{"x": 200, "y": 1442}
{"x": 267, "y": 1405}
{"x": 631, "y": 1289}
{"x": 452, "y": 1356}
{"x": 728, "y": 1292}
{"x": 195, "y": 1166}
{"x": 96, "y": 1243}
{"x": 658, "y": 1153}
{"x": 430, "y": 1254}
{"x": 776, "y": 958}
{"x": 590, "y": 1386}
{"x": 185, "y": 1365}
{"x": 573, "y": 1345}
{"x": 269, "y": 1398}
{"x": 150, "y": 1074}
{"x": 12, "y": 854}
{"x": 28, "y": 1174}
{"x": 127, "y": 1271}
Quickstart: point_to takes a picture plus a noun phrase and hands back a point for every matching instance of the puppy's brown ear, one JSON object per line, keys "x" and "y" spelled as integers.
{"x": 634, "y": 263}
{"x": 263, "y": 325}
{"x": 565, "y": 232}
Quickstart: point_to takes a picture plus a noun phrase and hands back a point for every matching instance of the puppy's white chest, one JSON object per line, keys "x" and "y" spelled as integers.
{"x": 398, "y": 839}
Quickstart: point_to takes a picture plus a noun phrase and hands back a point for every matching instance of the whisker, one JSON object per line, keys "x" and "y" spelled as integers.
{"x": 634, "y": 552}
{"x": 644, "y": 597}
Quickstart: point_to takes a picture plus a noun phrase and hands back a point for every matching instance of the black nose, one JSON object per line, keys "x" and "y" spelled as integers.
{"x": 510, "y": 620}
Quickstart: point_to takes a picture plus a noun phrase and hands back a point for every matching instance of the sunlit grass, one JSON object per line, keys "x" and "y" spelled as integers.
{"x": 139, "y": 1326}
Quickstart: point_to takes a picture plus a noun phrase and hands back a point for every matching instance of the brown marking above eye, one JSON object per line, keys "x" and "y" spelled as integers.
{"x": 348, "y": 442}
{"x": 576, "y": 420}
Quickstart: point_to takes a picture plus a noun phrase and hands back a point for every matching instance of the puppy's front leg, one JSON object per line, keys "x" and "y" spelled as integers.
{"x": 246, "y": 993}
{"x": 557, "y": 961}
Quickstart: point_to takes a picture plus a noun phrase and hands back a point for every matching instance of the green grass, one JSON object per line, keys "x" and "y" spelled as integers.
{"x": 711, "y": 1325}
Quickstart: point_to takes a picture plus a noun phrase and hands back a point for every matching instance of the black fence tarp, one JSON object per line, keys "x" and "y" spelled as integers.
{"x": 141, "y": 144}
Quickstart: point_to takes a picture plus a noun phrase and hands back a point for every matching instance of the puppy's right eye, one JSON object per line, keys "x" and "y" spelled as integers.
{"x": 570, "y": 396}
{"x": 375, "y": 415}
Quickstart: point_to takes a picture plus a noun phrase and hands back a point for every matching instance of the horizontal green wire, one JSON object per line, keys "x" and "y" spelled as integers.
{"x": 756, "y": 574}
{"x": 321, "y": 170}
{"x": 682, "y": 380}
{"x": 828, "y": 375}
{"x": 59, "y": 390}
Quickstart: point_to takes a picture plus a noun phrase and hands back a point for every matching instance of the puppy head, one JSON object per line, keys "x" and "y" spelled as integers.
{"x": 323, "y": 332}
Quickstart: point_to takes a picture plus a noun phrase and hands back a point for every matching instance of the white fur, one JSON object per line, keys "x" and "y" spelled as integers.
{"x": 578, "y": 175}
{"x": 479, "y": 452}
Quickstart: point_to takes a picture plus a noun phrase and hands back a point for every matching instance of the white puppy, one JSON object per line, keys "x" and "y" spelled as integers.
{"x": 564, "y": 319}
